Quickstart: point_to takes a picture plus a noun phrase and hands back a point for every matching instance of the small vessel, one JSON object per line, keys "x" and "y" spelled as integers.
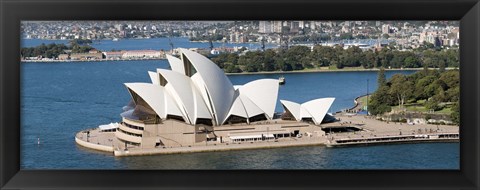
{"x": 115, "y": 39}
{"x": 281, "y": 80}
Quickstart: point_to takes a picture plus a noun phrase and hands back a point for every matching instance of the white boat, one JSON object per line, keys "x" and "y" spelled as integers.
{"x": 281, "y": 80}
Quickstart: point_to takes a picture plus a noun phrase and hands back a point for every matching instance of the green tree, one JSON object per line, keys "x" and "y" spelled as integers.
{"x": 323, "y": 55}
{"x": 232, "y": 58}
{"x": 450, "y": 78}
{"x": 269, "y": 60}
{"x": 401, "y": 88}
{"x": 298, "y": 57}
{"x": 412, "y": 62}
{"x": 80, "y": 42}
{"x": 381, "y": 79}
{"x": 380, "y": 101}
{"x": 49, "y": 51}
{"x": 230, "y": 68}
{"x": 370, "y": 60}
{"x": 376, "y": 108}
{"x": 421, "y": 87}
{"x": 339, "y": 65}
{"x": 346, "y": 36}
{"x": 455, "y": 115}
{"x": 452, "y": 57}
{"x": 251, "y": 67}
{"x": 452, "y": 94}
{"x": 434, "y": 104}
{"x": 441, "y": 65}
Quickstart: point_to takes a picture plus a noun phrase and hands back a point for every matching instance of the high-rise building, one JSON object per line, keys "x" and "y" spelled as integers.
{"x": 313, "y": 25}
{"x": 277, "y": 26}
{"x": 301, "y": 24}
{"x": 294, "y": 26}
{"x": 385, "y": 29}
{"x": 265, "y": 27}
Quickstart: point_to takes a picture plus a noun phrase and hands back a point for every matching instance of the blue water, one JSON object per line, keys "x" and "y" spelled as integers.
{"x": 60, "y": 99}
{"x": 413, "y": 156}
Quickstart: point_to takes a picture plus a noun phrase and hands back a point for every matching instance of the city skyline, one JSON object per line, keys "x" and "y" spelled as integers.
{"x": 403, "y": 34}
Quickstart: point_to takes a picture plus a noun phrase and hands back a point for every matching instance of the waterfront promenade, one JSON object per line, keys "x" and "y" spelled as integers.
{"x": 375, "y": 131}
{"x": 369, "y": 128}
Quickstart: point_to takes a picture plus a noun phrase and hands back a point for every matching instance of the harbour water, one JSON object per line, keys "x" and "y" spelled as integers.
{"x": 60, "y": 99}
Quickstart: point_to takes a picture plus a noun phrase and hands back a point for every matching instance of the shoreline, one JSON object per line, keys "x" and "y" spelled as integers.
{"x": 327, "y": 71}
{"x": 355, "y": 106}
{"x": 332, "y": 71}
{"x": 242, "y": 73}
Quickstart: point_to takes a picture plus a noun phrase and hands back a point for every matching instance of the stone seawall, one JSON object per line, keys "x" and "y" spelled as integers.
{"x": 313, "y": 141}
{"x": 93, "y": 145}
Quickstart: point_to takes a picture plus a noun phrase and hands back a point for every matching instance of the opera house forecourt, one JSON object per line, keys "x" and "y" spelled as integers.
{"x": 194, "y": 107}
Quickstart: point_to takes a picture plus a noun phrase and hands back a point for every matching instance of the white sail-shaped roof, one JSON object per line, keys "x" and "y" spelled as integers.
{"x": 152, "y": 94}
{"x": 176, "y": 64}
{"x": 304, "y": 113}
{"x": 318, "y": 108}
{"x": 196, "y": 88}
{"x": 200, "y": 85}
{"x": 171, "y": 107}
{"x": 315, "y": 109}
{"x": 244, "y": 107}
{"x": 157, "y": 98}
{"x": 154, "y": 77}
{"x": 237, "y": 109}
{"x": 218, "y": 87}
{"x": 293, "y": 107}
{"x": 251, "y": 108}
{"x": 186, "y": 95}
{"x": 263, "y": 93}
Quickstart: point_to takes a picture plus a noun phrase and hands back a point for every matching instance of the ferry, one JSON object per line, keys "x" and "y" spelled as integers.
{"x": 281, "y": 80}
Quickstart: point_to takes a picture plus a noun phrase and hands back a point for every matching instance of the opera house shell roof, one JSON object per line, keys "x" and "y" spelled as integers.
{"x": 196, "y": 89}
{"x": 313, "y": 109}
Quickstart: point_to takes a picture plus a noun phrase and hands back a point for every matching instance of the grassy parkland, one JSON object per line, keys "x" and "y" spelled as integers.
{"x": 430, "y": 94}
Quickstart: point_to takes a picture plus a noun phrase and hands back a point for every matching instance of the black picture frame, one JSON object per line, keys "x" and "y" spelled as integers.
{"x": 12, "y": 12}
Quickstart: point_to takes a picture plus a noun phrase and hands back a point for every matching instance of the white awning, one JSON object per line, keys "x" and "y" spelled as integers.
{"x": 108, "y": 126}
{"x": 251, "y": 136}
{"x": 211, "y": 135}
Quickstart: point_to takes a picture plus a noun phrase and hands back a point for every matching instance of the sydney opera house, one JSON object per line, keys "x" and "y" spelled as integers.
{"x": 194, "y": 102}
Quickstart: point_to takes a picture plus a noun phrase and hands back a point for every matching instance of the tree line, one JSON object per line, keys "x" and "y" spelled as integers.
{"x": 54, "y": 50}
{"x": 302, "y": 57}
{"x": 437, "y": 89}
{"x": 215, "y": 37}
